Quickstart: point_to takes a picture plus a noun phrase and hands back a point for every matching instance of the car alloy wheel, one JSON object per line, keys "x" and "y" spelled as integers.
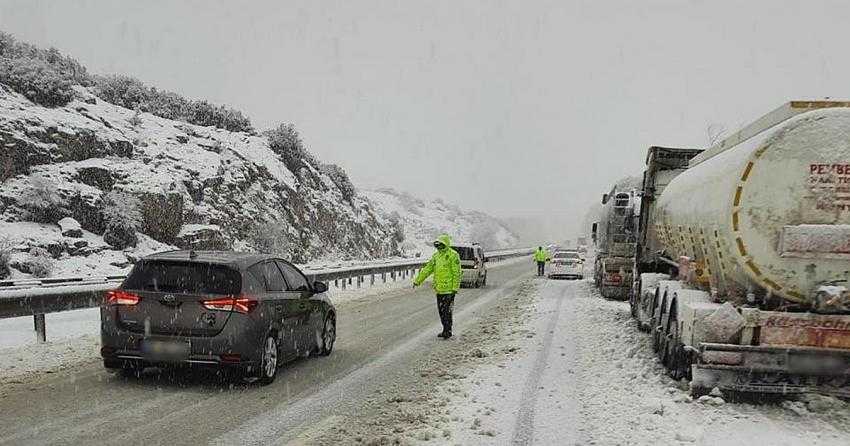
{"x": 328, "y": 336}
{"x": 268, "y": 368}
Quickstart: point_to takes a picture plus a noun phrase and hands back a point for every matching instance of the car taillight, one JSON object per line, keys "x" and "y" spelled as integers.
{"x": 239, "y": 304}
{"x": 121, "y": 297}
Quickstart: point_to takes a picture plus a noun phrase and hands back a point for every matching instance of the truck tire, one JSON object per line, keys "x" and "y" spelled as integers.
{"x": 676, "y": 359}
{"x": 658, "y": 327}
{"x": 632, "y": 303}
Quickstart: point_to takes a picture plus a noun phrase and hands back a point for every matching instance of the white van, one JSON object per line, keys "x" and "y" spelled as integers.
{"x": 472, "y": 264}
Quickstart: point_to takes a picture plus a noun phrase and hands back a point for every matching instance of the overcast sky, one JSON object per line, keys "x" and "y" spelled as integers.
{"x": 511, "y": 107}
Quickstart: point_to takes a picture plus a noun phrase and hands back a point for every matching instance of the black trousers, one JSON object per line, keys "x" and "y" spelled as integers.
{"x": 445, "y": 305}
{"x": 541, "y": 266}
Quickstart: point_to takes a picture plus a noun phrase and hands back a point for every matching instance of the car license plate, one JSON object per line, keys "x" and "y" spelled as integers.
{"x": 156, "y": 350}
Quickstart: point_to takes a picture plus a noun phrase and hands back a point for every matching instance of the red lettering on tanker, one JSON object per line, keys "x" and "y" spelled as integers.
{"x": 827, "y": 332}
{"x": 797, "y": 322}
{"x": 830, "y": 185}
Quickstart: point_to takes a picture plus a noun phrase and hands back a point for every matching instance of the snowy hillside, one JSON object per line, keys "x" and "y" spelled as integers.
{"x": 422, "y": 221}
{"x": 125, "y": 183}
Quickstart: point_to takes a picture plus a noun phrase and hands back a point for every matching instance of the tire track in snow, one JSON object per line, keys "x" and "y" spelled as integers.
{"x": 524, "y": 427}
{"x": 289, "y": 419}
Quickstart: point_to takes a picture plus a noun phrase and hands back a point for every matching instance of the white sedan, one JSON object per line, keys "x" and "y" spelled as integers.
{"x": 567, "y": 264}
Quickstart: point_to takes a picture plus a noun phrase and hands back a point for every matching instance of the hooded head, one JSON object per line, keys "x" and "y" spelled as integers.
{"x": 540, "y": 248}
{"x": 445, "y": 240}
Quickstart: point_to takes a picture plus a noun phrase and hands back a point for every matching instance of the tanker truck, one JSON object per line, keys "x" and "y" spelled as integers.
{"x": 743, "y": 257}
{"x": 614, "y": 234}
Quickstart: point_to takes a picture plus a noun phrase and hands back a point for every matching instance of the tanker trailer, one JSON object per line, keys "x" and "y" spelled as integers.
{"x": 749, "y": 290}
{"x": 615, "y": 244}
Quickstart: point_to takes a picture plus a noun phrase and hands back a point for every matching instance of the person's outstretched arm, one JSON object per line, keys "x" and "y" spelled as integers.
{"x": 426, "y": 271}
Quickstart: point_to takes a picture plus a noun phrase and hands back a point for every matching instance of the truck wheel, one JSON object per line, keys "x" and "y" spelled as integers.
{"x": 632, "y": 303}
{"x": 680, "y": 366}
{"x": 657, "y": 328}
{"x": 674, "y": 357}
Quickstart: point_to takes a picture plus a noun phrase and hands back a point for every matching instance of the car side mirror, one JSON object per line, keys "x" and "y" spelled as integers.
{"x": 319, "y": 287}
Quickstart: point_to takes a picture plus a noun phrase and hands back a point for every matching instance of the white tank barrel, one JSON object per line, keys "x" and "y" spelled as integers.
{"x": 769, "y": 212}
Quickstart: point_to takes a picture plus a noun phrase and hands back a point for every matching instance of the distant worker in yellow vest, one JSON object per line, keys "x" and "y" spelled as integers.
{"x": 445, "y": 266}
{"x": 541, "y": 256}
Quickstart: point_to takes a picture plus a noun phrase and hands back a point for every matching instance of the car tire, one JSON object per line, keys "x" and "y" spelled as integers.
{"x": 270, "y": 361}
{"x": 328, "y": 336}
{"x": 131, "y": 369}
{"x": 484, "y": 282}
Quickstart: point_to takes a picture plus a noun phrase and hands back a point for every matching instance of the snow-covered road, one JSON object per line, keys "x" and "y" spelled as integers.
{"x": 562, "y": 366}
{"x": 534, "y": 361}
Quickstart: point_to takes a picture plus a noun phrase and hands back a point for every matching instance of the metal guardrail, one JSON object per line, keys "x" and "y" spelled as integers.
{"x": 37, "y": 297}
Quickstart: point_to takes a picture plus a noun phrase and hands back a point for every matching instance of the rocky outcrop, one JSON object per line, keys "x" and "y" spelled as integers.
{"x": 202, "y": 237}
{"x": 191, "y": 186}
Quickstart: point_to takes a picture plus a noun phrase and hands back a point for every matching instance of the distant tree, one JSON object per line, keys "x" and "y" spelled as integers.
{"x": 123, "y": 91}
{"x": 286, "y": 142}
{"x": 341, "y": 180}
{"x": 46, "y": 77}
{"x": 37, "y": 80}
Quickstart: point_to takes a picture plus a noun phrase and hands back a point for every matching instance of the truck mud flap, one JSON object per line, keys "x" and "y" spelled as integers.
{"x": 614, "y": 292}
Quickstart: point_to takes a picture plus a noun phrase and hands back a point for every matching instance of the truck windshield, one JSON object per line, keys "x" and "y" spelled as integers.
{"x": 184, "y": 278}
{"x": 465, "y": 252}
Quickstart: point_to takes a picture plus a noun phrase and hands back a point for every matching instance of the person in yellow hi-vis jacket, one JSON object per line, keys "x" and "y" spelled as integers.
{"x": 445, "y": 266}
{"x": 541, "y": 256}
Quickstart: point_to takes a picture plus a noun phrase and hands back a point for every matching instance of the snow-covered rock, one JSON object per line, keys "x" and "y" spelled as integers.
{"x": 70, "y": 227}
{"x": 422, "y": 221}
{"x": 202, "y": 237}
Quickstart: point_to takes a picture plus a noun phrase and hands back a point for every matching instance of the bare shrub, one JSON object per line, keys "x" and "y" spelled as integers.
{"x": 42, "y": 201}
{"x": 6, "y": 246}
{"x": 129, "y": 92}
{"x": 39, "y": 264}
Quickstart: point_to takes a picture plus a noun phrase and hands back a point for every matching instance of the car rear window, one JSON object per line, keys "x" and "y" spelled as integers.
{"x": 184, "y": 278}
{"x": 567, "y": 255}
{"x": 465, "y": 253}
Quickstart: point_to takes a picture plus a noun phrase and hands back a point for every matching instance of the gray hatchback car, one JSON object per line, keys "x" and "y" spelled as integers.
{"x": 248, "y": 312}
